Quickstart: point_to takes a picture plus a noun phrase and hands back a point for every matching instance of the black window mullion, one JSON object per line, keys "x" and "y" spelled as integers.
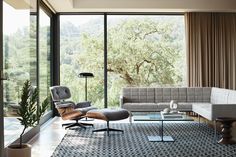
{"x": 105, "y": 61}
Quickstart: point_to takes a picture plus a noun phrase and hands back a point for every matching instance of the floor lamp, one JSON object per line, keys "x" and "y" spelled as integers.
{"x": 86, "y": 75}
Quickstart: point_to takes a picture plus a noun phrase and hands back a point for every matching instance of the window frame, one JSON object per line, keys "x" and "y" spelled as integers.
{"x": 51, "y": 15}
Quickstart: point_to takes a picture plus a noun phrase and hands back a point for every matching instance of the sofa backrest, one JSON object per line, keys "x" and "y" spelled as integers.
{"x": 223, "y": 96}
{"x": 168, "y": 94}
{"x": 145, "y": 94}
{"x": 139, "y": 94}
{"x": 198, "y": 94}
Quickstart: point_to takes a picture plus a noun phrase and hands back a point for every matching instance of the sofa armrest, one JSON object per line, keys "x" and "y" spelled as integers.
{"x": 223, "y": 110}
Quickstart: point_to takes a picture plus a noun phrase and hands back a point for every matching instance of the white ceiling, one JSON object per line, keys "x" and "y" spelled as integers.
{"x": 142, "y": 5}
{"x": 22, "y": 4}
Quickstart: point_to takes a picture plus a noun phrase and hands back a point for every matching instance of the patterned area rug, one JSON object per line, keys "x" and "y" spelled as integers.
{"x": 190, "y": 141}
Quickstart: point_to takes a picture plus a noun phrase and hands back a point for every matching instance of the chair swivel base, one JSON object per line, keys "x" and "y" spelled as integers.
{"x": 82, "y": 125}
{"x": 108, "y": 129}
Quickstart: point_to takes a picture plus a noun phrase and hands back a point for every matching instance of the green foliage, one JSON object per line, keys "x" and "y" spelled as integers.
{"x": 28, "y": 105}
{"x": 20, "y": 62}
{"x": 29, "y": 112}
{"x": 142, "y": 51}
{"x": 44, "y": 106}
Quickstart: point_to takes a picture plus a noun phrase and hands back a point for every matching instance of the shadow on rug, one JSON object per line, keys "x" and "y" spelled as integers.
{"x": 190, "y": 141}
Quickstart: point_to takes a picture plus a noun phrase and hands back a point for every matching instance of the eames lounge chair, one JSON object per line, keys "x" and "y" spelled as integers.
{"x": 68, "y": 110}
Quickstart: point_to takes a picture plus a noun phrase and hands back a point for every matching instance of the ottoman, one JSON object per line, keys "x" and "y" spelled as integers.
{"x": 108, "y": 115}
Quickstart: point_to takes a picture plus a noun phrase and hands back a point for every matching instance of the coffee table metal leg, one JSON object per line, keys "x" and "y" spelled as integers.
{"x": 215, "y": 130}
{"x": 162, "y": 130}
{"x": 161, "y": 138}
{"x": 199, "y": 120}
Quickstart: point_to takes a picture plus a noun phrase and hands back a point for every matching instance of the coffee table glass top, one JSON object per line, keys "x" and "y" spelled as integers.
{"x": 156, "y": 116}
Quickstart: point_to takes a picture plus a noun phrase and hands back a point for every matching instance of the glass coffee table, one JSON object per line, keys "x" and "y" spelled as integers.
{"x": 156, "y": 116}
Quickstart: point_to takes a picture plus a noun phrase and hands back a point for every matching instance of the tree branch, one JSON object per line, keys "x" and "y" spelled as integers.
{"x": 138, "y": 65}
{"x": 148, "y": 33}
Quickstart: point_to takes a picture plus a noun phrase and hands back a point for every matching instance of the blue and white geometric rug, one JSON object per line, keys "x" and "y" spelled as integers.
{"x": 190, "y": 141}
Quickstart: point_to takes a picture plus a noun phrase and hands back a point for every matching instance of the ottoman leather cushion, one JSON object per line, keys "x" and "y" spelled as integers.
{"x": 108, "y": 114}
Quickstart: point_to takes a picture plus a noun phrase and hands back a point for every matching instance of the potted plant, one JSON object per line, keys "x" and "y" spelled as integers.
{"x": 30, "y": 115}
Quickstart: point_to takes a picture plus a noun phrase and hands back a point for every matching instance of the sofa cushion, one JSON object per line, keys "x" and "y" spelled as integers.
{"x": 163, "y": 105}
{"x": 190, "y": 94}
{"x": 198, "y": 94}
{"x": 134, "y": 95}
{"x": 185, "y": 106}
{"x": 203, "y": 109}
{"x": 158, "y": 95}
{"x": 182, "y": 95}
{"x": 126, "y": 93}
{"x": 140, "y": 106}
{"x": 150, "y": 95}
{"x": 206, "y": 94}
{"x": 182, "y": 106}
{"x": 174, "y": 94}
{"x": 166, "y": 95}
{"x": 137, "y": 94}
{"x": 219, "y": 96}
{"x": 194, "y": 94}
{"x": 142, "y": 95}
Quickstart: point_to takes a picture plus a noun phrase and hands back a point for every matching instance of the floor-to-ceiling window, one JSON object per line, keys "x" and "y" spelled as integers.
{"x": 44, "y": 55}
{"x": 82, "y": 50}
{"x": 144, "y": 50}
{"x": 19, "y": 59}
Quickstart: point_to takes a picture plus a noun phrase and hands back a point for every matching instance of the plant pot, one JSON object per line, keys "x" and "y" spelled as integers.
{"x": 14, "y": 150}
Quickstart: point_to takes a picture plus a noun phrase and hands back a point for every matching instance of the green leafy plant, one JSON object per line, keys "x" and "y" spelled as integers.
{"x": 29, "y": 112}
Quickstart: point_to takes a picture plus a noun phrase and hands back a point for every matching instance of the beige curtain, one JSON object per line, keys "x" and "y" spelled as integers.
{"x": 211, "y": 49}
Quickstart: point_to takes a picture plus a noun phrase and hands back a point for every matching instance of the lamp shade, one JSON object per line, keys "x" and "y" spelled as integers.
{"x": 86, "y": 74}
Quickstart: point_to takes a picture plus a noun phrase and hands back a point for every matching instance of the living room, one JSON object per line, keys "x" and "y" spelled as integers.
{"x": 130, "y": 62}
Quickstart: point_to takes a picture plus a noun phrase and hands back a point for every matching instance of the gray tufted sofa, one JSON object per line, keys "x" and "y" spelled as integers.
{"x": 205, "y": 101}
